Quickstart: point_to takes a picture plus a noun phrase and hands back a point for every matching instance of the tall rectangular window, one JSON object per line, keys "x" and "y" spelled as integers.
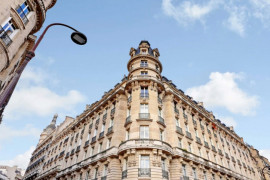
{"x": 102, "y": 127}
{"x": 144, "y": 92}
{"x": 160, "y": 113}
{"x": 163, "y": 164}
{"x": 109, "y": 143}
{"x": 105, "y": 170}
{"x": 145, "y": 161}
{"x": 204, "y": 175}
{"x": 177, "y": 122}
{"x": 144, "y": 108}
{"x": 184, "y": 171}
{"x": 180, "y": 142}
{"x": 194, "y": 173}
{"x": 111, "y": 122}
{"x": 99, "y": 147}
{"x": 95, "y": 132}
{"x": 92, "y": 151}
{"x": 96, "y": 173}
{"x": 186, "y": 126}
{"x": 144, "y": 132}
{"x": 127, "y": 134}
{"x": 144, "y": 63}
{"x": 189, "y": 147}
{"x": 161, "y": 135}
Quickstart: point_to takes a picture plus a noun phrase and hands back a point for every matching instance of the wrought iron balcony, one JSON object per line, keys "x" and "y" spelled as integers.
{"x": 198, "y": 140}
{"x": 161, "y": 120}
{"x": 5, "y": 37}
{"x": 62, "y": 154}
{"x": 176, "y": 110}
{"x": 86, "y": 143}
{"x": 113, "y": 111}
{"x": 144, "y": 172}
{"x": 144, "y": 115}
{"x": 206, "y": 144}
{"x": 72, "y": 152}
{"x": 90, "y": 126}
{"x": 188, "y": 134}
{"x": 78, "y": 148}
{"x": 101, "y": 134}
{"x": 93, "y": 139}
{"x": 165, "y": 174}
{"x": 179, "y": 130}
{"x": 67, "y": 155}
{"x": 104, "y": 178}
{"x": 124, "y": 174}
{"x": 220, "y": 152}
{"x": 144, "y": 95}
{"x": 110, "y": 130}
{"x": 129, "y": 99}
{"x": 97, "y": 121}
{"x": 214, "y": 148}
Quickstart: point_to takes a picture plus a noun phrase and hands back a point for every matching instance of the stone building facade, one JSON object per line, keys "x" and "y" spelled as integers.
{"x": 8, "y": 173}
{"x": 19, "y": 20}
{"x": 144, "y": 128}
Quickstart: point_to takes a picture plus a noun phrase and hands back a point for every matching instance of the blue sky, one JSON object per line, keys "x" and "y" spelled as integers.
{"x": 217, "y": 51}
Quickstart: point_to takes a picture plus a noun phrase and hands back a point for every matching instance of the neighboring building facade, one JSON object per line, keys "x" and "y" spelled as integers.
{"x": 143, "y": 128}
{"x": 262, "y": 163}
{"x": 19, "y": 20}
{"x": 10, "y": 173}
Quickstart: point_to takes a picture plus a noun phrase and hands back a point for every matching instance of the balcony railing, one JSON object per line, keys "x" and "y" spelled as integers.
{"x": 97, "y": 121}
{"x": 67, "y": 155}
{"x": 72, "y": 152}
{"x": 144, "y": 115}
{"x": 93, "y": 139}
{"x": 129, "y": 99}
{"x": 188, "y": 134}
{"x": 161, "y": 120}
{"x": 206, "y": 144}
{"x": 179, "y": 130}
{"x": 110, "y": 130}
{"x": 104, "y": 178}
{"x": 5, "y": 37}
{"x": 86, "y": 143}
{"x": 165, "y": 174}
{"x": 185, "y": 178}
{"x": 198, "y": 140}
{"x": 62, "y": 154}
{"x": 214, "y": 148}
{"x": 124, "y": 174}
{"x": 144, "y": 172}
{"x": 105, "y": 116}
{"x": 176, "y": 110}
{"x": 144, "y": 95}
{"x": 90, "y": 126}
{"x": 101, "y": 134}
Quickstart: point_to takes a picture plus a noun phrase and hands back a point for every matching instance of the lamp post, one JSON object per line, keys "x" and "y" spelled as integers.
{"x": 265, "y": 167}
{"x": 77, "y": 37}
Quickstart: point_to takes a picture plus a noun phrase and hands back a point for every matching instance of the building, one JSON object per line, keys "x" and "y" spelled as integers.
{"x": 143, "y": 128}
{"x": 261, "y": 162}
{"x": 19, "y": 21}
{"x": 8, "y": 173}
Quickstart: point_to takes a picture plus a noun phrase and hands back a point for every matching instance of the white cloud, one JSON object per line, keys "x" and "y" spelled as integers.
{"x": 265, "y": 153}
{"x": 32, "y": 97}
{"x": 229, "y": 121}
{"x": 222, "y": 90}
{"x": 20, "y": 160}
{"x": 240, "y": 13}
{"x": 188, "y": 11}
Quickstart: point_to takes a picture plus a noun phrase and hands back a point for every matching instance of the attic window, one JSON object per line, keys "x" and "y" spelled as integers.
{"x": 144, "y": 51}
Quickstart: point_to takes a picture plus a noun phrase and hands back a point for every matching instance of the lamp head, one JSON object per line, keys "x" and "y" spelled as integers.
{"x": 78, "y": 38}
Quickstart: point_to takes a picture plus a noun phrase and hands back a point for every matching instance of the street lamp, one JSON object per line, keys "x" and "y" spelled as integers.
{"x": 77, "y": 37}
{"x": 265, "y": 167}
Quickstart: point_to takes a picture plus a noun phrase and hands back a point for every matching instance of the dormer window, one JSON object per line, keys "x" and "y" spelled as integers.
{"x": 144, "y": 51}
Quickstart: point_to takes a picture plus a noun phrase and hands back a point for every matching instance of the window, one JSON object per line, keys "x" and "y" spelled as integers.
{"x": 204, "y": 175}
{"x": 144, "y": 132}
{"x": 87, "y": 175}
{"x": 145, "y": 162}
{"x": 128, "y": 112}
{"x": 127, "y": 134}
{"x": 144, "y": 73}
{"x": 207, "y": 155}
{"x": 144, "y": 92}
{"x": 102, "y": 127}
{"x": 111, "y": 122}
{"x": 95, "y": 132}
{"x": 161, "y": 135}
{"x": 213, "y": 176}
{"x": 177, "y": 122}
{"x": 215, "y": 158}
{"x": 96, "y": 173}
{"x": 85, "y": 154}
{"x": 88, "y": 136}
{"x": 194, "y": 173}
{"x": 144, "y": 63}
{"x": 109, "y": 143}
{"x": 189, "y": 147}
{"x": 144, "y": 108}
{"x": 180, "y": 142}
{"x": 184, "y": 171}
{"x": 92, "y": 151}
{"x": 23, "y": 10}
{"x": 80, "y": 176}
{"x": 99, "y": 147}
{"x": 7, "y": 31}
{"x": 160, "y": 113}
{"x": 125, "y": 164}
{"x": 163, "y": 164}
{"x": 187, "y": 130}
{"x": 144, "y": 51}
{"x": 196, "y": 132}
{"x": 105, "y": 170}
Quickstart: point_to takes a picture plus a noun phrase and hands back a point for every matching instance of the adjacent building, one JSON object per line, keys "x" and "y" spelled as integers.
{"x": 10, "y": 173}
{"x": 143, "y": 128}
{"x": 19, "y": 21}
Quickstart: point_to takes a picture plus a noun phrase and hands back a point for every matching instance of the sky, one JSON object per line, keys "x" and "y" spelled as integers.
{"x": 214, "y": 50}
